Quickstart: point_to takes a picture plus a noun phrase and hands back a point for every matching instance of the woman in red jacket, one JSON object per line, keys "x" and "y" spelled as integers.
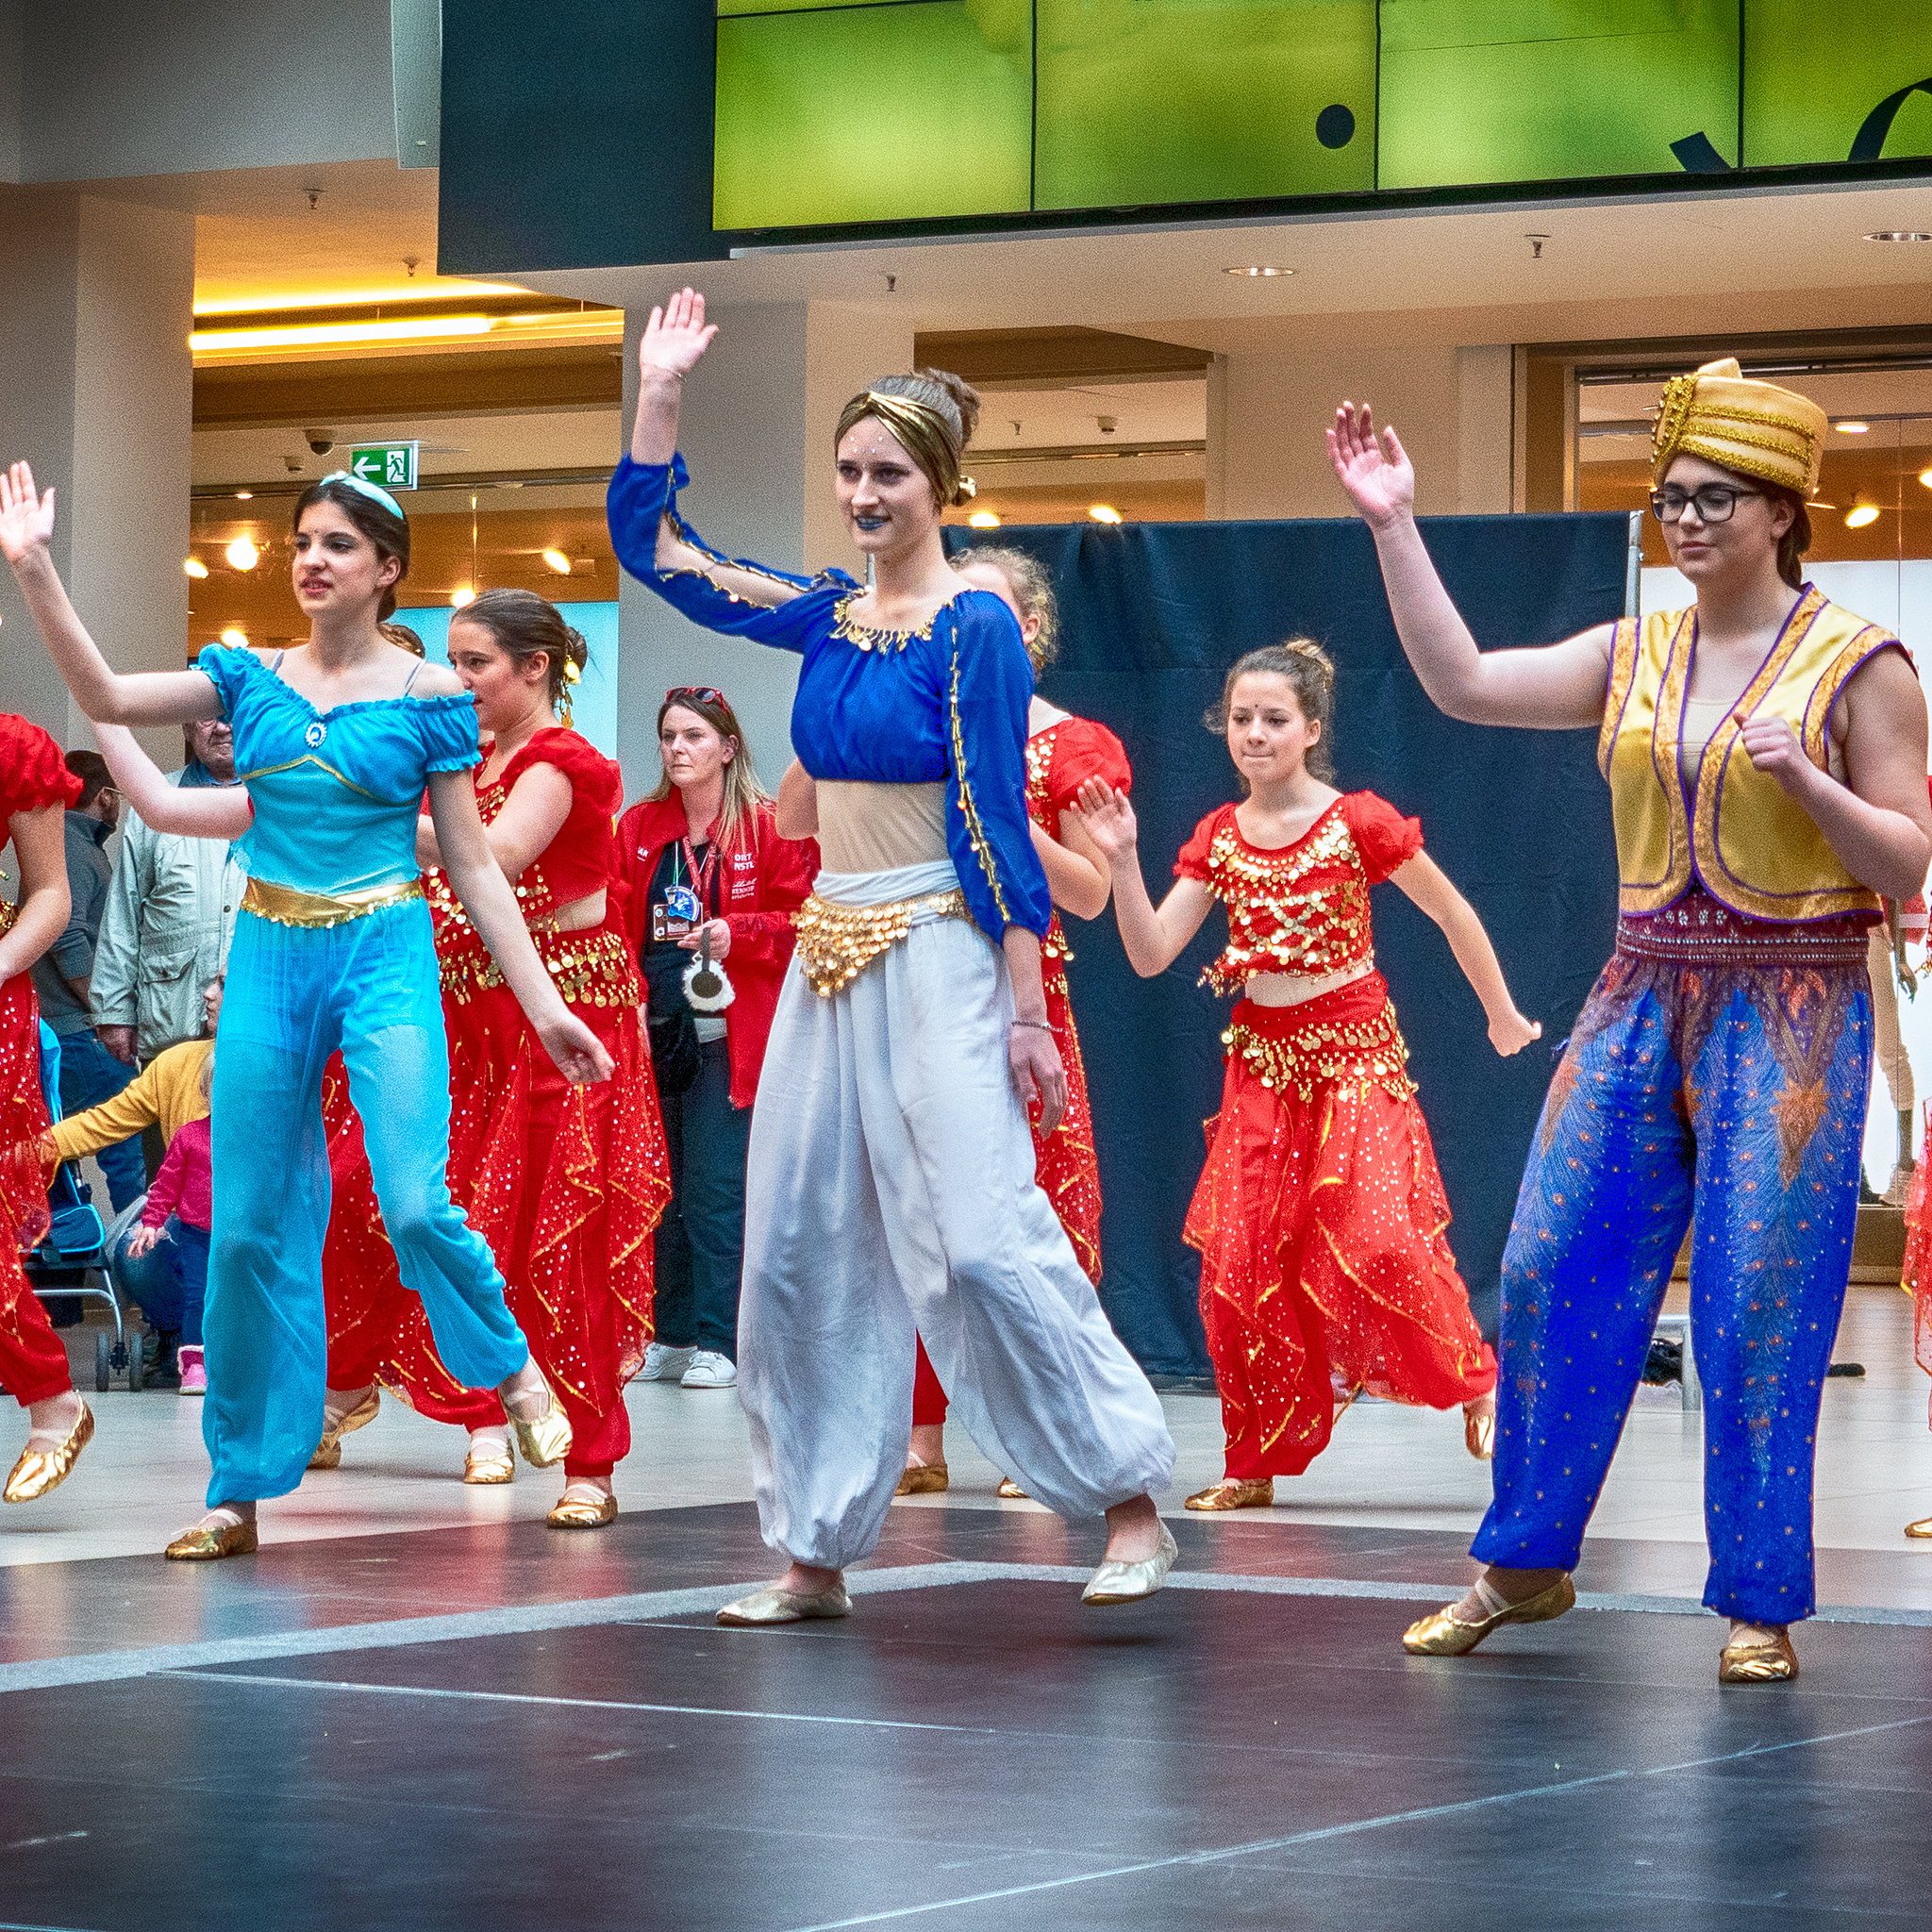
{"x": 707, "y": 873}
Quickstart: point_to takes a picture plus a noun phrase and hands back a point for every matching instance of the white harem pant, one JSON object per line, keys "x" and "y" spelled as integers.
{"x": 890, "y": 1189}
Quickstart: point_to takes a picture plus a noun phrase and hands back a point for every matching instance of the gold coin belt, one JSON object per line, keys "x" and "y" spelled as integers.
{"x": 836, "y": 944}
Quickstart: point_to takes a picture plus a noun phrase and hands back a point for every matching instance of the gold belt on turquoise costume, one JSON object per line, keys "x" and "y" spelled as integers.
{"x": 285, "y": 906}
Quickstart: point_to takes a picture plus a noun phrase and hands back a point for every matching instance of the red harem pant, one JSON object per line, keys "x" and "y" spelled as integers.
{"x": 565, "y": 1183}
{"x": 1064, "y": 1164}
{"x": 1320, "y": 1219}
{"x": 33, "y": 1361}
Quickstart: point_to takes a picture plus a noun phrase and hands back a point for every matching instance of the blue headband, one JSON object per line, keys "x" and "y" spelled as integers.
{"x": 382, "y": 496}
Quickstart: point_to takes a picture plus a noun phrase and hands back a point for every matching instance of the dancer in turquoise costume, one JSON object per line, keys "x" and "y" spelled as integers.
{"x": 336, "y": 739}
{"x": 1766, "y": 757}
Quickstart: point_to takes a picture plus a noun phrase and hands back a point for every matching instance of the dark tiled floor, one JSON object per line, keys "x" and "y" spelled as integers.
{"x": 982, "y": 1754}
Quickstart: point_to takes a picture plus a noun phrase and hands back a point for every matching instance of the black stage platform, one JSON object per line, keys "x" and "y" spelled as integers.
{"x": 509, "y": 1726}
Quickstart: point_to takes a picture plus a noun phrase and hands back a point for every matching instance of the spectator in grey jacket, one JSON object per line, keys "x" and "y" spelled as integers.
{"x": 62, "y": 976}
{"x": 171, "y": 913}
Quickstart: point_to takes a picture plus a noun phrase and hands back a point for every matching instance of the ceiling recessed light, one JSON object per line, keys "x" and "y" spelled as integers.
{"x": 1926, "y": 477}
{"x": 194, "y": 567}
{"x": 462, "y": 595}
{"x": 1898, "y": 235}
{"x": 1865, "y": 514}
{"x": 236, "y": 640}
{"x": 245, "y": 496}
{"x": 984, "y": 520}
{"x": 1852, "y": 428}
{"x": 242, "y": 554}
{"x": 1103, "y": 514}
{"x": 558, "y": 561}
{"x": 1260, "y": 271}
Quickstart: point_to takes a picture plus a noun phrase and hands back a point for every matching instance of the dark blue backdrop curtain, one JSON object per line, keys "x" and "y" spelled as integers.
{"x": 1151, "y": 616}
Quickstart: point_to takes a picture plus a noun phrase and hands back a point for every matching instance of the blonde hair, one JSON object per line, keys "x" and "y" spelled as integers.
{"x": 743, "y": 793}
{"x": 1310, "y": 673}
{"x": 1032, "y": 592}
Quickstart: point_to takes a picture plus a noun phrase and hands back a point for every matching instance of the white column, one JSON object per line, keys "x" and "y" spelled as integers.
{"x": 97, "y": 392}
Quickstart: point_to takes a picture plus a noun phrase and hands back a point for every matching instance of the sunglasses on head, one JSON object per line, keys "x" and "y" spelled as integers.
{"x": 704, "y": 693}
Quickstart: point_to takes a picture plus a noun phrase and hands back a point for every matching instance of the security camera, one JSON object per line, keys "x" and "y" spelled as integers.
{"x": 321, "y": 441}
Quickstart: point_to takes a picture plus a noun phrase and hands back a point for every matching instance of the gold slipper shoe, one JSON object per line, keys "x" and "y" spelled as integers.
{"x": 1774, "y": 1662}
{"x": 328, "y": 1452}
{"x": 922, "y": 1479}
{"x": 1444, "y": 1634}
{"x": 1479, "y": 1433}
{"x": 210, "y": 1545}
{"x": 583, "y": 1512}
{"x": 1235, "y": 1492}
{"x": 545, "y": 1441}
{"x": 490, "y": 1469}
{"x": 40, "y": 1469}
{"x": 1010, "y": 1491}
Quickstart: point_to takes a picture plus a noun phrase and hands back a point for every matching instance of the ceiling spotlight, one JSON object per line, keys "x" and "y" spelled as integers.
{"x": 1899, "y": 235}
{"x": 242, "y": 554}
{"x": 984, "y": 520}
{"x": 1853, "y": 428}
{"x": 245, "y": 496}
{"x": 1103, "y": 514}
{"x": 558, "y": 561}
{"x": 1260, "y": 271}
{"x": 462, "y": 595}
{"x": 1865, "y": 514}
{"x": 1926, "y": 477}
{"x": 235, "y": 639}
{"x": 194, "y": 567}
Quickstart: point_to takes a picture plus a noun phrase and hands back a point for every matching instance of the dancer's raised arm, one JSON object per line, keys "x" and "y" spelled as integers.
{"x": 108, "y": 696}
{"x": 1549, "y": 687}
{"x": 1153, "y": 939}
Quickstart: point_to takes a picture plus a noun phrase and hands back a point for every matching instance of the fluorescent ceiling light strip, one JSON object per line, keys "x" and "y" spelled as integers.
{"x": 320, "y": 335}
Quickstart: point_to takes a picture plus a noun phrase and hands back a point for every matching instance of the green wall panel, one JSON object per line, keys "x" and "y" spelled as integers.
{"x": 1815, "y": 69}
{"x": 1477, "y": 91}
{"x": 1148, "y": 101}
{"x": 873, "y": 113}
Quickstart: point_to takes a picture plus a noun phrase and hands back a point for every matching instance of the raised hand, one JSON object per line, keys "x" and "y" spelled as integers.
{"x": 1376, "y": 474}
{"x": 677, "y": 336}
{"x": 1107, "y": 818}
{"x": 26, "y": 518}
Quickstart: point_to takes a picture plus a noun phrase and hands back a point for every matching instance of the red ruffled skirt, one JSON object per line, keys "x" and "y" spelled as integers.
{"x": 1320, "y": 1219}
{"x": 33, "y": 1360}
{"x": 1917, "y": 1271}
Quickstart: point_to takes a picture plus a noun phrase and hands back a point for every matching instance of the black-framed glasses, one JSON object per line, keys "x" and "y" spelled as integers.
{"x": 704, "y": 693}
{"x": 1714, "y": 502}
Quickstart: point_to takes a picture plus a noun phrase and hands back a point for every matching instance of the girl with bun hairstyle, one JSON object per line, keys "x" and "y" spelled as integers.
{"x": 1320, "y": 1215}
{"x": 336, "y": 740}
{"x": 890, "y": 1180}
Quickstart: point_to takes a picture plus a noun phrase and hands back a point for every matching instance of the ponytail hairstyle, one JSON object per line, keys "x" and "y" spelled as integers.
{"x": 374, "y": 512}
{"x": 525, "y": 625}
{"x": 403, "y": 637}
{"x": 1310, "y": 673}
{"x": 743, "y": 793}
{"x": 1032, "y": 590}
{"x": 934, "y": 413}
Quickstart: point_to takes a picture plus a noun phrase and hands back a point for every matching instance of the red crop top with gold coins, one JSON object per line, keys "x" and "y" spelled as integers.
{"x": 1300, "y": 908}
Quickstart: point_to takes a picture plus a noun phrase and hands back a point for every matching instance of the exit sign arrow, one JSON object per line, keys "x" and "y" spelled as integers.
{"x": 391, "y": 465}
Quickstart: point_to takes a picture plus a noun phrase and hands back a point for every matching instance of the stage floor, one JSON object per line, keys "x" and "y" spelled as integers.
{"x": 485, "y": 1721}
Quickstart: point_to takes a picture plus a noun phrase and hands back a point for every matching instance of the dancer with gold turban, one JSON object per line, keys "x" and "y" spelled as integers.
{"x": 1766, "y": 757}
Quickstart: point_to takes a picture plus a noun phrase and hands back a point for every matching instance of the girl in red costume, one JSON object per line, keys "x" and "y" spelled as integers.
{"x": 1063, "y": 753}
{"x": 566, "y": 1183}
{"x": 36, "y": 789}
{"x": 1320, "y": 1215}
{"x": 708, "y": 832}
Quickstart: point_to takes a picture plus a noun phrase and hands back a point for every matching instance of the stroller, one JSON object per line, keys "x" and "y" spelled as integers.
{"x": 70, "y": 1258}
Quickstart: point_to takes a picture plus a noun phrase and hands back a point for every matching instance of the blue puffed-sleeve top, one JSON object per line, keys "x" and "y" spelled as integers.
{"x": 336, "y": 792}
{"x": 946, "y": 703}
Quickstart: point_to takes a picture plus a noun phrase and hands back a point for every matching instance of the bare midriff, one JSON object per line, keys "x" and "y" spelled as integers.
{"x": 865, "y": 826}
{"x": 1294, "y": 989}
{"x": 580, "y": 915}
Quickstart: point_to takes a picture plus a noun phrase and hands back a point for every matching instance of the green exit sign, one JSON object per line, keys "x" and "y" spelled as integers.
{"x": 390, "y": 464}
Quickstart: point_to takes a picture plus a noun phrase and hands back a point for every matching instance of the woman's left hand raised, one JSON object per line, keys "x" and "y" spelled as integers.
{"x": 1033, "y": 1057}
{"x": 26, "y": 518}
{"x": 580, "y": 1055}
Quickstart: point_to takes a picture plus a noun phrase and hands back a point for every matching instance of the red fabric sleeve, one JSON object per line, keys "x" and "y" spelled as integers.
{"x": 1083, "y": 750}
{"x": 33, "y": 769}
{"x": 1192, "y": 863}
{"x": 1383, "y": 837}
{"x": 595, "y": 780}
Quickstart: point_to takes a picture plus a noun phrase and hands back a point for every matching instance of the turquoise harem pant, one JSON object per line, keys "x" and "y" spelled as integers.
{"x": 1738, "y": 1090}
{"x": 295, "y": 994}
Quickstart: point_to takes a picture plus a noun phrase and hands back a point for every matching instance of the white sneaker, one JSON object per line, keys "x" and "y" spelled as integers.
{"x": 711, "y": 1369}
{"x": 664, "y": 1363}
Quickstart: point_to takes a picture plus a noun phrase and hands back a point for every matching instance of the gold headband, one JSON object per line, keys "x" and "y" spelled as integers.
{"x": 1739, "y": 423}
{"x": 929, "y": 439}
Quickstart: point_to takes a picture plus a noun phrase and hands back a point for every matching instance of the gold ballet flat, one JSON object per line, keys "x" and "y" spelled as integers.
{"x": 201, "y": 1545}
{"x": 922, "y": 1479}
{"x": 545, "y": 1441}
{"x": 1127, "y": 1583}
{"x": 1922, "y": 1527}
{"x": 777, "y": 1606}
{"x": 1479, "y": 1433}
{"x": 328, "y": 1452}
{"x": 490, "y": 1469}
{"x": 1010, "y": 1491}
{"x": 583, "y": 1512}
{"x": 1443, "y": 1634}
{"x": 40, "y": 1469}
{"x": 1235, "y": 1492}
{"x": 1774, "y": 1662}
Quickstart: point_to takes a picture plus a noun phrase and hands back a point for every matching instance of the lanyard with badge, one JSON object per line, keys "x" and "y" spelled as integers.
{"x": 684, "y": 906}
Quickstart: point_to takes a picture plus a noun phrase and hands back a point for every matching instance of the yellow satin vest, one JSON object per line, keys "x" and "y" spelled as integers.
{"x": 1736, "y": 831}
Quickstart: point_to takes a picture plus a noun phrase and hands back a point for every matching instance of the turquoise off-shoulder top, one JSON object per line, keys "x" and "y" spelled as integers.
{"x": 337, "y": 792}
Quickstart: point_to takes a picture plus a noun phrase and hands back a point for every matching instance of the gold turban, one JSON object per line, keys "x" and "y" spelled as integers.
{"x": 931, "y": 441}
{"x": 1739, "y": 423}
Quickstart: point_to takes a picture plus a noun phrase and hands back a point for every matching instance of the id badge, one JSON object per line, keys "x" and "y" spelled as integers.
{"x": 664, "y": 927}
{"x": 681, "y": 903}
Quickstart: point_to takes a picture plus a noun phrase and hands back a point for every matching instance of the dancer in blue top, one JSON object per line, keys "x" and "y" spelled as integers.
{"x": 336, "y": 740}
{"x": 891, "y": 1176}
